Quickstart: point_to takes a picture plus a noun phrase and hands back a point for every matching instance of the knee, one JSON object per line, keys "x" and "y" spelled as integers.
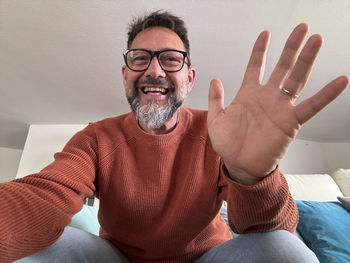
{"x": 273, "y": 247}
{"x": 76, "y": 245}
{"x": 279, "y": 246}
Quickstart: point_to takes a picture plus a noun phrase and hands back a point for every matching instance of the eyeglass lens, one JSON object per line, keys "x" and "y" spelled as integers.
{"x": 169, "y": 60}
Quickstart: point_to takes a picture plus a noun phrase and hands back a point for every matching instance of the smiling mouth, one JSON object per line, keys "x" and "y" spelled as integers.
{"x": 146, "y": 90}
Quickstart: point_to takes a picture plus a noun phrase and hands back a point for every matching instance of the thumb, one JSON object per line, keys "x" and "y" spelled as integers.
{"x": 215, "y": 99}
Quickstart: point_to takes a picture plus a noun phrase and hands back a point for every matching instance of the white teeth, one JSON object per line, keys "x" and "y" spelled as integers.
{"x": 152, "y": 89}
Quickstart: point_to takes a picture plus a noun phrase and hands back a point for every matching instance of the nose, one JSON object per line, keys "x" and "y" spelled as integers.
{"x": 154, "y": 70}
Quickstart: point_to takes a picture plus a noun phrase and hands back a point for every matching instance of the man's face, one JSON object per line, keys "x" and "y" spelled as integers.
{"x": 155, "y": 95}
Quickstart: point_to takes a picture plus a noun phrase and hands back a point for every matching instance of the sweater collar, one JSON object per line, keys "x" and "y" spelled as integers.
{"x": 134, "y": 129}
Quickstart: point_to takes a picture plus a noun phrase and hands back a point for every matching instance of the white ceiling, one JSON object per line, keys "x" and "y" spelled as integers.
{"x": 60, "y": 60}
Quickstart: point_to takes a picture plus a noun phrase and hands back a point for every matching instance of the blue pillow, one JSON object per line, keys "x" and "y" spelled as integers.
{"x": 325, "y": 228}
{"x": 86, "y": 220}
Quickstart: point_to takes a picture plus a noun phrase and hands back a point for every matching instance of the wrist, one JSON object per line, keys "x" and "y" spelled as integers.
{"x": 245, "y": 178}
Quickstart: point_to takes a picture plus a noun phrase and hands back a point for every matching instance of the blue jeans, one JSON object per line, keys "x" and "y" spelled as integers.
{"x": 277, "y": 246}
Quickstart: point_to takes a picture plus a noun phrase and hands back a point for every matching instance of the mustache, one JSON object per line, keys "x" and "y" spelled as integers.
{"x": 155, "y": 81}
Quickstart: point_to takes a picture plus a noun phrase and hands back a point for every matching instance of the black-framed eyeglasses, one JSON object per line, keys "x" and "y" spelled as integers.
{"x": 170, "y": 60}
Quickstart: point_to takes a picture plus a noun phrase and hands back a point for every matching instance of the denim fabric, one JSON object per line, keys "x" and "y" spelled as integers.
{"x": 279, "y": 246}
{"x": 273, "y": 247}
{"x": 76, "y": 245}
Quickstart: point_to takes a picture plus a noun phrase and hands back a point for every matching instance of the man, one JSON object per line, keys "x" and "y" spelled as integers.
{"x": 162, "y": 173}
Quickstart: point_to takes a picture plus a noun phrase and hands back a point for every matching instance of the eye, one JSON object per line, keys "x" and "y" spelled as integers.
{"x": 171, "y": 58}
{"x": 138, "y": 57}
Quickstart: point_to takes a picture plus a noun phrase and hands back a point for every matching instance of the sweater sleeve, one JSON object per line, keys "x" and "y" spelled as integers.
{"x": 262, "y": 207}
{"x": 35, "y": 209}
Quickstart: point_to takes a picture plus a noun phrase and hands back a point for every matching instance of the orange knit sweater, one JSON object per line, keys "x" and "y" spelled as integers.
{"x": 159, "y": 194}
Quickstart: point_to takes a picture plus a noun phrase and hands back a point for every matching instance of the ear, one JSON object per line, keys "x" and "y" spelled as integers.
{"x": 191, "y": 78}
{"x": 124, "y": 74}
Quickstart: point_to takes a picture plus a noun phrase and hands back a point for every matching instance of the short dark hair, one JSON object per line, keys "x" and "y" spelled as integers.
{"x": 159, "y": 18}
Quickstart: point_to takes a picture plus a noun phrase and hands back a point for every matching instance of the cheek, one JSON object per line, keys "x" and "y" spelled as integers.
{"x": 129, "y": 84}
{"x": 182, "y": 86}
{"x": 130, "y": 79}
{"x": 129, "y": 91}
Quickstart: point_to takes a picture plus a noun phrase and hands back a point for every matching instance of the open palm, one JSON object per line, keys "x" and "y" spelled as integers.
{"x": 253, "y": 133}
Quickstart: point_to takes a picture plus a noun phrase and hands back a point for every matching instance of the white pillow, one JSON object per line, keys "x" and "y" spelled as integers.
{"x": 342, "y": 178}
{"x": 313, "y": 187}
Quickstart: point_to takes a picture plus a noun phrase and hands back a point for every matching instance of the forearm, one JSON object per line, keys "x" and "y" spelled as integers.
{"x": 261, "y": 207}
{"x": 35, "y": 209}
{"x": 28, "y": 221}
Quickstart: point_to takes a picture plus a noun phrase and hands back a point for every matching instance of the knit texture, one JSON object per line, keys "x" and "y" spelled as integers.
{"x": 160, "y": 195}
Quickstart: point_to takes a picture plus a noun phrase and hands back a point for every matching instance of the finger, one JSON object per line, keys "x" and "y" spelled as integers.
{"x": 289, "y": 54}
{"x": 310, "y": 107}
{"x": 256, "y": 64}
{"x": 215, "y": 99}
{"x": 297, "y": 79}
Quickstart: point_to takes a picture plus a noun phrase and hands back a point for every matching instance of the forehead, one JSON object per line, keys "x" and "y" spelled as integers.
{"x": 158, "y": 38}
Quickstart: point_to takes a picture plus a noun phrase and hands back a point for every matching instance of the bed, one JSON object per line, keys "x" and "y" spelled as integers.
{"x": 323, "y": 202}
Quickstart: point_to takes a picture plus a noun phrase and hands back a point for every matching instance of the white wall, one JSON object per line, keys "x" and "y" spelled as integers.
{"x": 315, "y": 157}
{"x": 337, "y": 155}
{"x": 305, "y": 157}
{"x": 9, "y": 161}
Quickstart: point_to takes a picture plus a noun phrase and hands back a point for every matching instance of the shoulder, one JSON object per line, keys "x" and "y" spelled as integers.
{"x": 195, "y": 114}
{"x": 108, "y": 125}
{"x": 196, "y": 121}
{"x": 114, "y": 125}
{"x": 111, "y": 131}
{"x": 113, "y": 122}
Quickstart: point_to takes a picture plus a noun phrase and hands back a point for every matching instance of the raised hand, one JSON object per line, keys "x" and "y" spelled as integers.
{"x": 253, "y": 133}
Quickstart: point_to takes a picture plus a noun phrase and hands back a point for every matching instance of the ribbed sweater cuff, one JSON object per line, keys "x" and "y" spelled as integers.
{"x": 263, "y": 185}
{"x": 264, "y": 206}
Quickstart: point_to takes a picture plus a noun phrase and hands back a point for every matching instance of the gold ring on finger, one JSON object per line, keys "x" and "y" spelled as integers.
{"x": 289, "y": 93}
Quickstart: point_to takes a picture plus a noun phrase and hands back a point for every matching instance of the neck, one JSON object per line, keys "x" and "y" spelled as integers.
{"x": 166, "y": 128}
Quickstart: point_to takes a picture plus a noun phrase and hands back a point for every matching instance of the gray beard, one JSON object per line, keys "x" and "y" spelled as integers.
{"x": 153, "y": 115}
